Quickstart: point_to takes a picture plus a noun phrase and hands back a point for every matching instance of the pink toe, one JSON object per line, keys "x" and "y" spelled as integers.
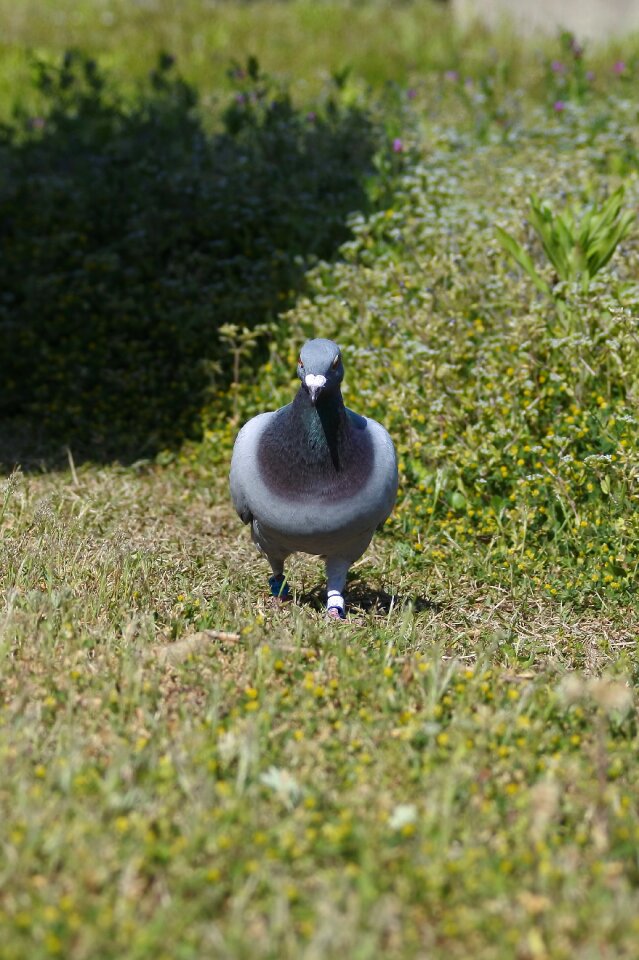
{"x": 335, "y": 613}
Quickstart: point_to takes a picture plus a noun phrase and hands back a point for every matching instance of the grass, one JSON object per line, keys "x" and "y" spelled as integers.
{"x": 191, "y": 772}
{"x": 380, "y": 40}
{"x": 300, "y": 41}
{"x": 454, "y": 770}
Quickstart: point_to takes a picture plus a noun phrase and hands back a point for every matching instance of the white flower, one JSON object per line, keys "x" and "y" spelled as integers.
{"x": 402, "y": 815}
{"x": 284, "y": 784}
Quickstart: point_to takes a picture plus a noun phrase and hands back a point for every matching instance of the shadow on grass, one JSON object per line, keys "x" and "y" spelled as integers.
{"x": 129, "y": 235}
{"x": 359, "y": 597}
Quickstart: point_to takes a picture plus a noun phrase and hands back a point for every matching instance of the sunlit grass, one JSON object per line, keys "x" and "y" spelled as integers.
{"x": 300, "y": 40}
{"x": 428, "y": 776}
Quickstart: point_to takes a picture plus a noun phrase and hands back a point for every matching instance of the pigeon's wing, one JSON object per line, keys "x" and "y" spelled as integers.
{"x": 240, "y": 471}
{"x": 240, "y": 502}
{"x": 244, "y": 465}
{"x": 387, "y": 473}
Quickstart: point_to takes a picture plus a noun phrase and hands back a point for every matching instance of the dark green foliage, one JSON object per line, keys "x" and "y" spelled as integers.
{"x": 129, "y": 235}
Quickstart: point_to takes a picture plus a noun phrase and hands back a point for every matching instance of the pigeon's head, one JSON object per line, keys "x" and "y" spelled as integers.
{"x": 320, "y": 367}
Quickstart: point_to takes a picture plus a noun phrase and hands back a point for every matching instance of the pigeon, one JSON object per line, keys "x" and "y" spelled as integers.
{"x": 313, "y": 476}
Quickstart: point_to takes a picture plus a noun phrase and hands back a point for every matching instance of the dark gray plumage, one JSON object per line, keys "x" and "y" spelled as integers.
{"x": 313, "y": 476}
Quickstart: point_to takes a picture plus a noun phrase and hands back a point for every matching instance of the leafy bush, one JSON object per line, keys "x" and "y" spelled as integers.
{"x": 514, "y": 412}
{"x": 130, "y": 236}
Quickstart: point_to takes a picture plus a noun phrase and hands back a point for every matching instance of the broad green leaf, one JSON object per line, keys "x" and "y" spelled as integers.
{"x": 518, "y": 253}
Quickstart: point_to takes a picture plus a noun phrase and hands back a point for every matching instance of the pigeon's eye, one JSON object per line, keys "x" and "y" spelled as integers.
{"x": 335, "y": 361}
{"x": 300, "y": 363}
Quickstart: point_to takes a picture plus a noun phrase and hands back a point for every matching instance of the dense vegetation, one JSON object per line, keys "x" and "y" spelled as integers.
{"x": 189, "y": 772}
{"x": 144, "y": 236}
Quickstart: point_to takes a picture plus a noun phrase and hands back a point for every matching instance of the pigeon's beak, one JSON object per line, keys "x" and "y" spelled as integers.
{"x": 314, "y": 383}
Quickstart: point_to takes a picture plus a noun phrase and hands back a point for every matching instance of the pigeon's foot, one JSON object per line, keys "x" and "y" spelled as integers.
{"x": 279, "y": 588}
{"x": 336, "y": 613}
{"x": 335, "y": 606}
{"x": 278, "y": 601}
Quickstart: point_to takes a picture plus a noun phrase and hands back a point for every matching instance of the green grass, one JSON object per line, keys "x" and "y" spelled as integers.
{"x": 302, "y": 41}
{"x": 439, "y": 777}
{"x": 189, "y": 771}
{"x": 298, "y": 39}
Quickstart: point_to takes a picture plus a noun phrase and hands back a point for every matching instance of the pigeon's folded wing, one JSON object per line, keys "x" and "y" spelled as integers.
{"x": 240, "y": 504}
{"x": 243, "y": 465}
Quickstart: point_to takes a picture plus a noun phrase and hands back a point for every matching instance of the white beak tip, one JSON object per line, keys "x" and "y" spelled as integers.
{"x": 314, "y": 380}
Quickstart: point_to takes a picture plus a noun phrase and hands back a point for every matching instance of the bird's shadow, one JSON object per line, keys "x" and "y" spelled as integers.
{"x": 367, "y": 600}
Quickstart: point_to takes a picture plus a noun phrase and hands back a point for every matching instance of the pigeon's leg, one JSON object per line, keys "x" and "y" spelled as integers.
{"x": 336, "y": 570}
{"x": 277, "y": 583}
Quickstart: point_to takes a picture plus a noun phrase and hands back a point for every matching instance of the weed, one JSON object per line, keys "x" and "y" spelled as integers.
{"x": 578, "y": 242}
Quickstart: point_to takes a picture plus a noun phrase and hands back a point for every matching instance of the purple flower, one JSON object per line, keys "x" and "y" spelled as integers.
{"x": 451, "y": 75}
{"x": 590, "y": 75}
{"x": 557, "y": 67}
{"x": 37, "y": 123}
{"x": 311, "y": 117}
{"x": 559, "y": 105}
{"x": 240, "y": 98}
{"x": 398, "y": 145}
{"x": 411, "y": 93}
{"x": 619, "y": 67}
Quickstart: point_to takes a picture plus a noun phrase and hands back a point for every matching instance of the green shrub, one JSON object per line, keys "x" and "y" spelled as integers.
{"x": 514, "y": 412}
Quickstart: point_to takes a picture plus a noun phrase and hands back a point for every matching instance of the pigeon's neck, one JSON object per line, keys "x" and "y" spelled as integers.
{"x": 323, "y": 427}
{"x": 320, "y": 451}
